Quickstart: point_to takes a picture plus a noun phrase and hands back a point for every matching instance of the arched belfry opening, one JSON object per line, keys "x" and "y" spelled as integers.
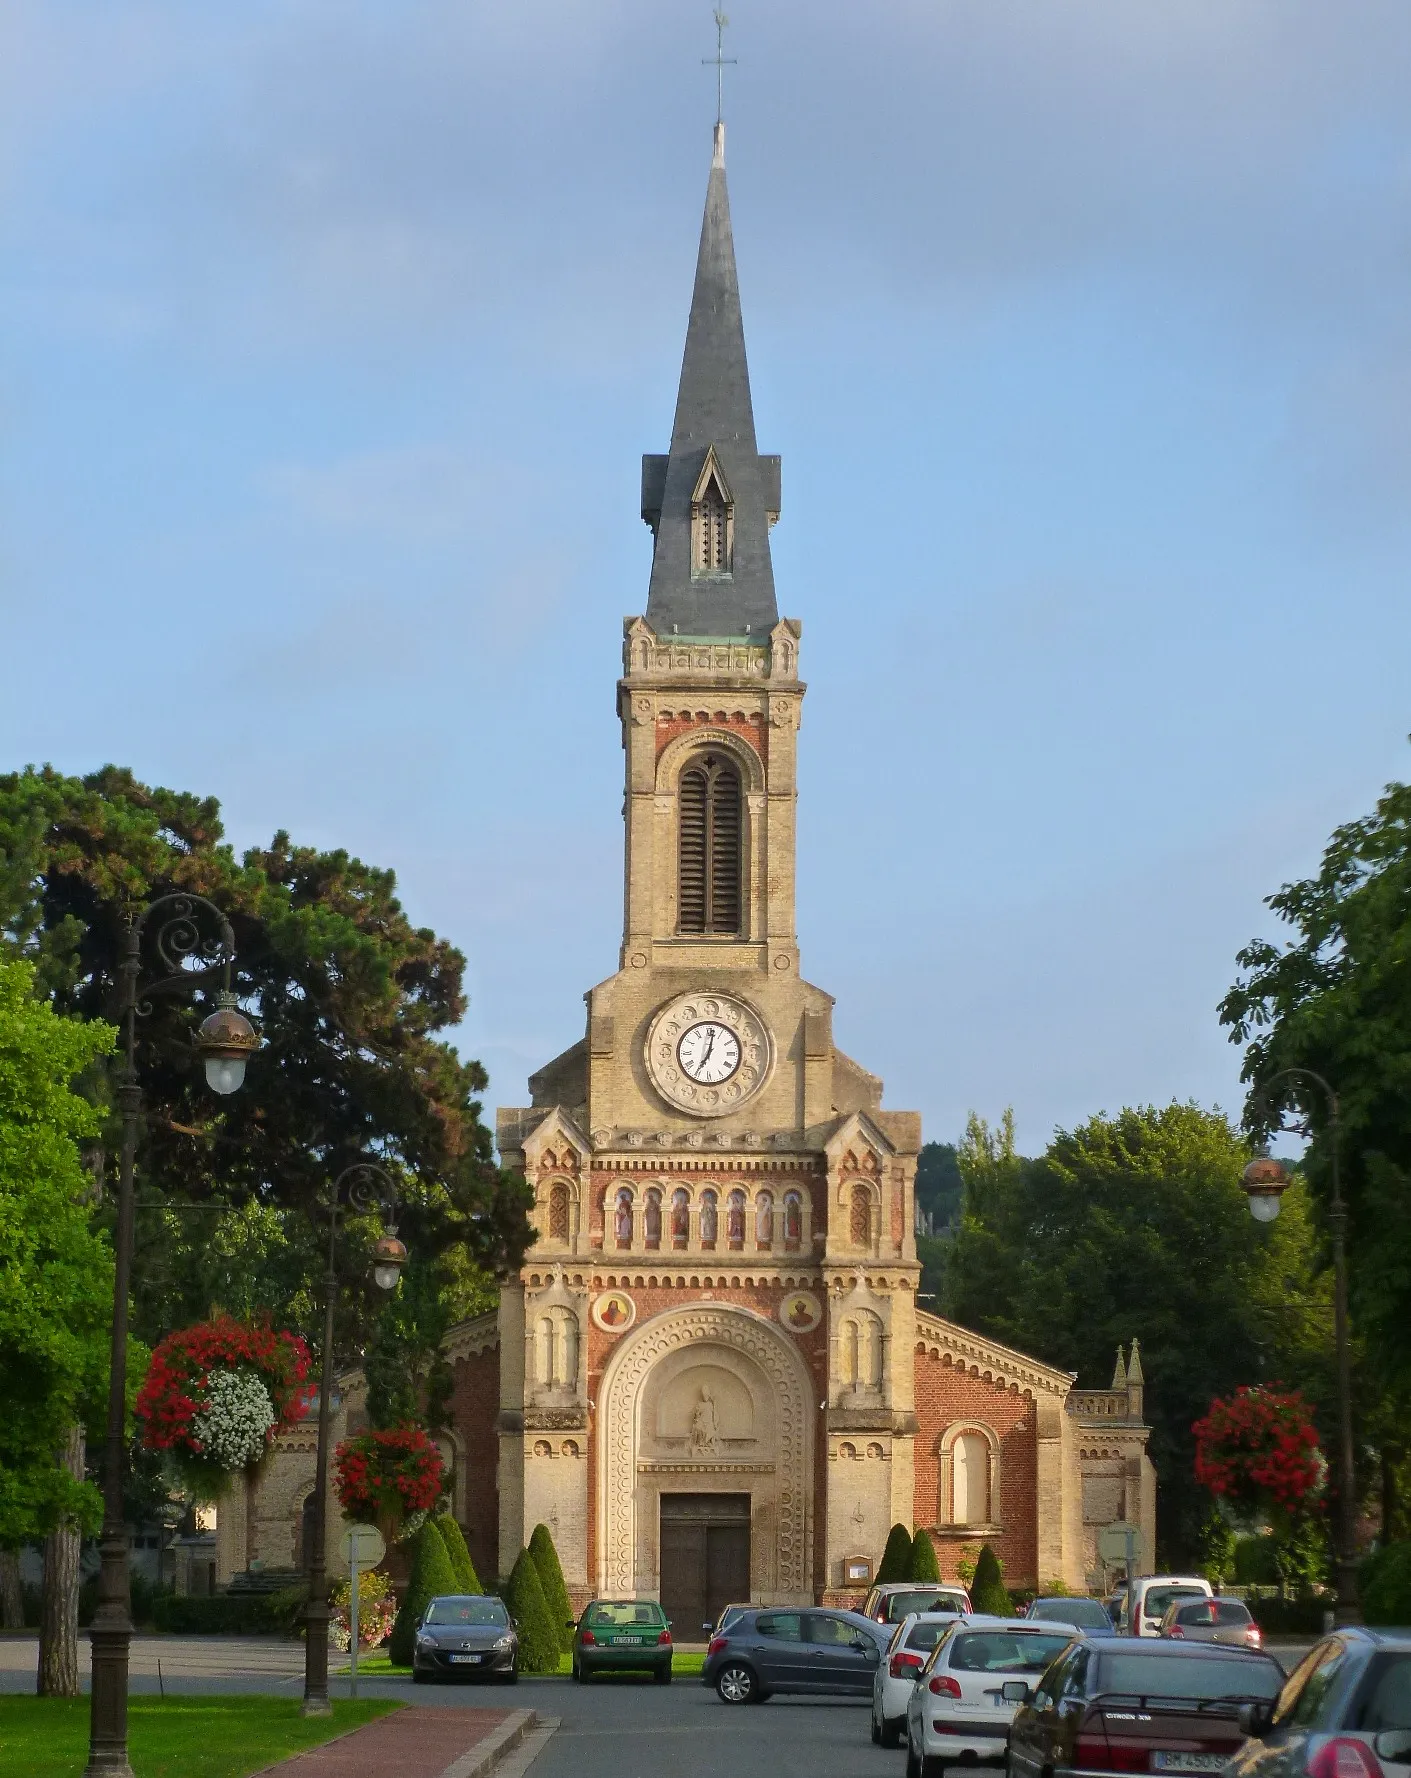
{"x": 709, "y": 848}
{"x": 712, "y": 522}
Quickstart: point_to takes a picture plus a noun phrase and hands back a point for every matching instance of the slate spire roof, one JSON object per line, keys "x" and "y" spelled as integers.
{"x": 713, "y": 413}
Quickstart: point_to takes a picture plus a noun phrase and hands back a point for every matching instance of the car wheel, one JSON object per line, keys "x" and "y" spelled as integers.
{"x": 913, "y": 1764}
{"x": 510, "y": 1678}
{"x": 876, "y": 1731}
{"x": 663, "y": 1676}
{"x": 418, "y": 1677}
{"x": 890, "y": 1735}
{"x": 736, "y": 1684}
{"x": 931, "y": 1767}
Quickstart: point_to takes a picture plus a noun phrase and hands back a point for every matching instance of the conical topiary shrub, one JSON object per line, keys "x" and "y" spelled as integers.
{"x": 924, "y": 1566}
{"x": 987, "y": 1591}
{"x": 546, "y": 1559}
{"x": 432, "y": 1574}
{"x": 538, "y": 1640}
{"x": 467, "y": 1580}
{"x": 896, "y": 1558}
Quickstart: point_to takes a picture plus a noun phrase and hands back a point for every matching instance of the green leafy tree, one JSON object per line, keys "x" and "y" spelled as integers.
{"x": 539, "y": 1641}
{"x": 350, "y": 998}
{"x": 924, "y": 1566}
{"x": 56, "y": 1273}
{"x": 1137, "y": 1225}
{"x": 1218, "y": 1543}
{"x": 1335, "y": 997}
{"x": 546, "y": 1559}
{"x": 467, "y": 1580}
{"x": 988, "y": 1592}
{"x": 431, "y": 1576}
{"x": 896, "y": 1557}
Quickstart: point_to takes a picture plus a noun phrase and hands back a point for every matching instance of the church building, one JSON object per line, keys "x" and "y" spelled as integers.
{"x": 711, "y": 1378}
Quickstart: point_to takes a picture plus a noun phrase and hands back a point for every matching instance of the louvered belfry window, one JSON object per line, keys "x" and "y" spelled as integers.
{"x": 709, "y": 885}
{"x": 710, "y": 526}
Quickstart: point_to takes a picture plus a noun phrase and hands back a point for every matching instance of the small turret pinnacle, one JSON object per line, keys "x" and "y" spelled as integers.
{"x": 1119, "y": 1375}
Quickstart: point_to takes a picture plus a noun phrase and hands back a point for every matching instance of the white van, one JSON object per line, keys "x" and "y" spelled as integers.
{"x": 1152, "y": 1593}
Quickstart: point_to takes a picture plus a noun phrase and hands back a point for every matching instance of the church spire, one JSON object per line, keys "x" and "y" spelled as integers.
{"x": 711, "y": 500}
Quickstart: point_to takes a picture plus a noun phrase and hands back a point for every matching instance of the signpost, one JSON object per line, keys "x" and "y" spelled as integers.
{"x": 361, "y": 1547}
{"x": 1122, "y": 1542}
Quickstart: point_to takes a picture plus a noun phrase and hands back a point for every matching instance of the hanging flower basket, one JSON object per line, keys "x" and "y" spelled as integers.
{"x": 216, "y": 1394}
{"x": 1258, "y": 1449}
{"x": 383, "y": 1476}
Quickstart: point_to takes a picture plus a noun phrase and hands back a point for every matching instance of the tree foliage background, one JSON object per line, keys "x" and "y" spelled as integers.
{"x": 349, "y": 997}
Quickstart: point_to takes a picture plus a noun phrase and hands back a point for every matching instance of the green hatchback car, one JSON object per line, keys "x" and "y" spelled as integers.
{"x": 622, "y": 1636}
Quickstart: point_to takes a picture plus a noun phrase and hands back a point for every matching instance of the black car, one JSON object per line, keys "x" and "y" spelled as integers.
{"x": 1344, "y": 1712}
{"x": 787, "y": 1649}
{"x": 468, "y": 1636}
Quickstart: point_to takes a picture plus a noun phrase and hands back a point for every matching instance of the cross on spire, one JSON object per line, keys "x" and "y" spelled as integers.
{"x": 720, "y": 62}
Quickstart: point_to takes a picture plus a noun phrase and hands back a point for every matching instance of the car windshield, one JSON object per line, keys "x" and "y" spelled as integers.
{"x": 1187, "y": 1676}
{"x": 900, "y": 1605}
{"x": 1384, "y": 1698}
{"x": 1159, "y": 1598}
{"x": 1085, "y": 1614}
{"x": 611, "y": 1616}
{"x": 467, "y": 1611}
{"x": 1005, "y": 1651}
{"x": 1214, "y": 1611}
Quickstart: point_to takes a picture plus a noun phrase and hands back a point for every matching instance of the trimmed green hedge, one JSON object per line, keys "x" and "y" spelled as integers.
{"x": 546, "y": 1562}
{"x": 988, "y": 1592}
{"x": 1385, "y": 1585}
{"x": 432, "y": 1575}
{"x": 226, "y": 1614}
{"x": 924, "y": 1566}
{"x": 896, "y": 1558}
{"x": 1289, "y": 1617}
{"x": 539, "y": 1640}
{"x": 454, "y": 1539}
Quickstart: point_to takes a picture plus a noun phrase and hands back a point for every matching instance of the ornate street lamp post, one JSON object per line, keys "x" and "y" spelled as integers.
{"x": 366, "y": 1188}
{"x": 181, "y": 935}
{"x": 1266, "y": 1180}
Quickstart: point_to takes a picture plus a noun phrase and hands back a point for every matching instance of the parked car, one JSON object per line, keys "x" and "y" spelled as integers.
{"x": 1089, "y": 1615}
{"x": 912, "y": 1640}
{"x": 957, "y": 1712}
{"x": 727, "y": 1616}
{"x": 622, "y": 1636}
{"x": 1152, "y": 1706}
{"x": 1152, "y": 1594}
{"x": 896, "y": 1599}
{"x": 1344, "y": 1712}
{"x": 466, "y": 1635}
{"x": 768, "y": 1650}
{"x": 1212, "y": 1620}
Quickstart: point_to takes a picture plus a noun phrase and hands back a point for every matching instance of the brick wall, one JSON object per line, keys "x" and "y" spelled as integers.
{"x": 475, "y": 1406}
{"x": 947, "y": 1393}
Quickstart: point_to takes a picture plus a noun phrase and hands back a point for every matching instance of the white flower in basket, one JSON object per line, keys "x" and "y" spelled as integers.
{"x": 234, "y": 1426}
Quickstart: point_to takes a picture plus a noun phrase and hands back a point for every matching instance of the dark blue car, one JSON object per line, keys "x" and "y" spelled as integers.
{"x": 794, "y": 1649}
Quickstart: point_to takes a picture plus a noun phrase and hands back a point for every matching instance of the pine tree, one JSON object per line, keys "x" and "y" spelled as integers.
{"x": 432, "y": 1575}
{"x": 538, "y": 1640}
{"x": 546, "y": 1559}
{"x": 924, "y": 1566}
{"x": 467, "y": 1580}
{"x": 988, "y": 1592}
{"x": 896, "y": 1558}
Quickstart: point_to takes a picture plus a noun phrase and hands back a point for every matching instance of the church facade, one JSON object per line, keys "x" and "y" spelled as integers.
{"x": 711, "y": 1378}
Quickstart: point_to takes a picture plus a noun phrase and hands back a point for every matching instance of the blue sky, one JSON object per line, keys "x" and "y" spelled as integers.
{"x": 331, "y": 336}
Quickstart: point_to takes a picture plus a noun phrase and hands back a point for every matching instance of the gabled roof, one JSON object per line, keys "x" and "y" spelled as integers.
{"x": 713, "y": 411}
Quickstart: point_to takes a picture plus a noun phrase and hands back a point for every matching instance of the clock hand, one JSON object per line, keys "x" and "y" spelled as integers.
{"x": 710, "y": 1045}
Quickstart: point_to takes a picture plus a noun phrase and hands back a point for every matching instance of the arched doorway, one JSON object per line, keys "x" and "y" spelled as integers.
{"x": 705, "y": 1421}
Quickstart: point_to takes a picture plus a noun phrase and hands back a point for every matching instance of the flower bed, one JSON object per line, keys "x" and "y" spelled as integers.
{"x": 377, "y": 1609}
{"x": 216, "y": 1394}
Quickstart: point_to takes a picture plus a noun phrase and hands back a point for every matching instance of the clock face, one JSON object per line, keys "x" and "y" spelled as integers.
{"x": 708, "y": 1052}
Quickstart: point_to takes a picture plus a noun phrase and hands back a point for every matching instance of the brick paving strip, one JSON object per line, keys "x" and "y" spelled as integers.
{"x": 417, "y": 1742}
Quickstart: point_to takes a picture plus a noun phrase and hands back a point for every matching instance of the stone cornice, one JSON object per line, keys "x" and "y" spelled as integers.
{"x": 986, "y": 1358}
{"x": 468, "y": 1339}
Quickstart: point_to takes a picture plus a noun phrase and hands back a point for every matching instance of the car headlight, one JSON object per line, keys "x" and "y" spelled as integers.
{"x": 504, "y": 1642}
{"x": 425, "y": 1641}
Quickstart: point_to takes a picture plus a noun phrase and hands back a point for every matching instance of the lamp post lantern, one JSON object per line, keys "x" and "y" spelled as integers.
{"x": 1265, "y": 1181}
{"x": 185, "y": 930}
{"x": 365, "y": 1188}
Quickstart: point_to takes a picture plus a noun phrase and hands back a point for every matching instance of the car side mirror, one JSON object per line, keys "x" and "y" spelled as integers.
{"x": 1393, "y": 1744}
{"x": 867, "y": 1646}
{"x": 1255, "y": 1719}
{"x": 1014, "y": 1691}
{"x": 570, "y": 1623}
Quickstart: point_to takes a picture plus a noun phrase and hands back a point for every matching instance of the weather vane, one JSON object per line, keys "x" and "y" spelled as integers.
{"x": 720, "y": 62}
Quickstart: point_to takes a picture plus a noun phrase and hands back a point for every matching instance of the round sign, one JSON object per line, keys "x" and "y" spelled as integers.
{"x": 1112, "y": 1543}
{"x": 800, "y": 1312}
{"x": 614, "y": 1311}
{"x": 371, "y": 1548}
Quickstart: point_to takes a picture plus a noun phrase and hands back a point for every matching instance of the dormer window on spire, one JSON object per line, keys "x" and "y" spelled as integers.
{"x": 712, "y": 522}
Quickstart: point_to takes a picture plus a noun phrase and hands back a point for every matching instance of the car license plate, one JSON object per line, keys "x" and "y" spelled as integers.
{"x": 1189, "y": 1762}
{"x": 464, "y": 1660}
{"x": 627, "y": 1641}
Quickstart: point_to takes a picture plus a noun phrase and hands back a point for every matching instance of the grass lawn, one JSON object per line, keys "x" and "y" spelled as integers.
{"x": 378, "y": 1666}
{"x": 171, "y": 1737}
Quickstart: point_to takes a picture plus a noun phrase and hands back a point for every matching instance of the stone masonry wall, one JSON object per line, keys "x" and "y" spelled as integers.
{"x": 475, "y": 1398}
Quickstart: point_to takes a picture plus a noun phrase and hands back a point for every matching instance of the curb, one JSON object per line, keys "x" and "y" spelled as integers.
{"x": 487, "y": 1754}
